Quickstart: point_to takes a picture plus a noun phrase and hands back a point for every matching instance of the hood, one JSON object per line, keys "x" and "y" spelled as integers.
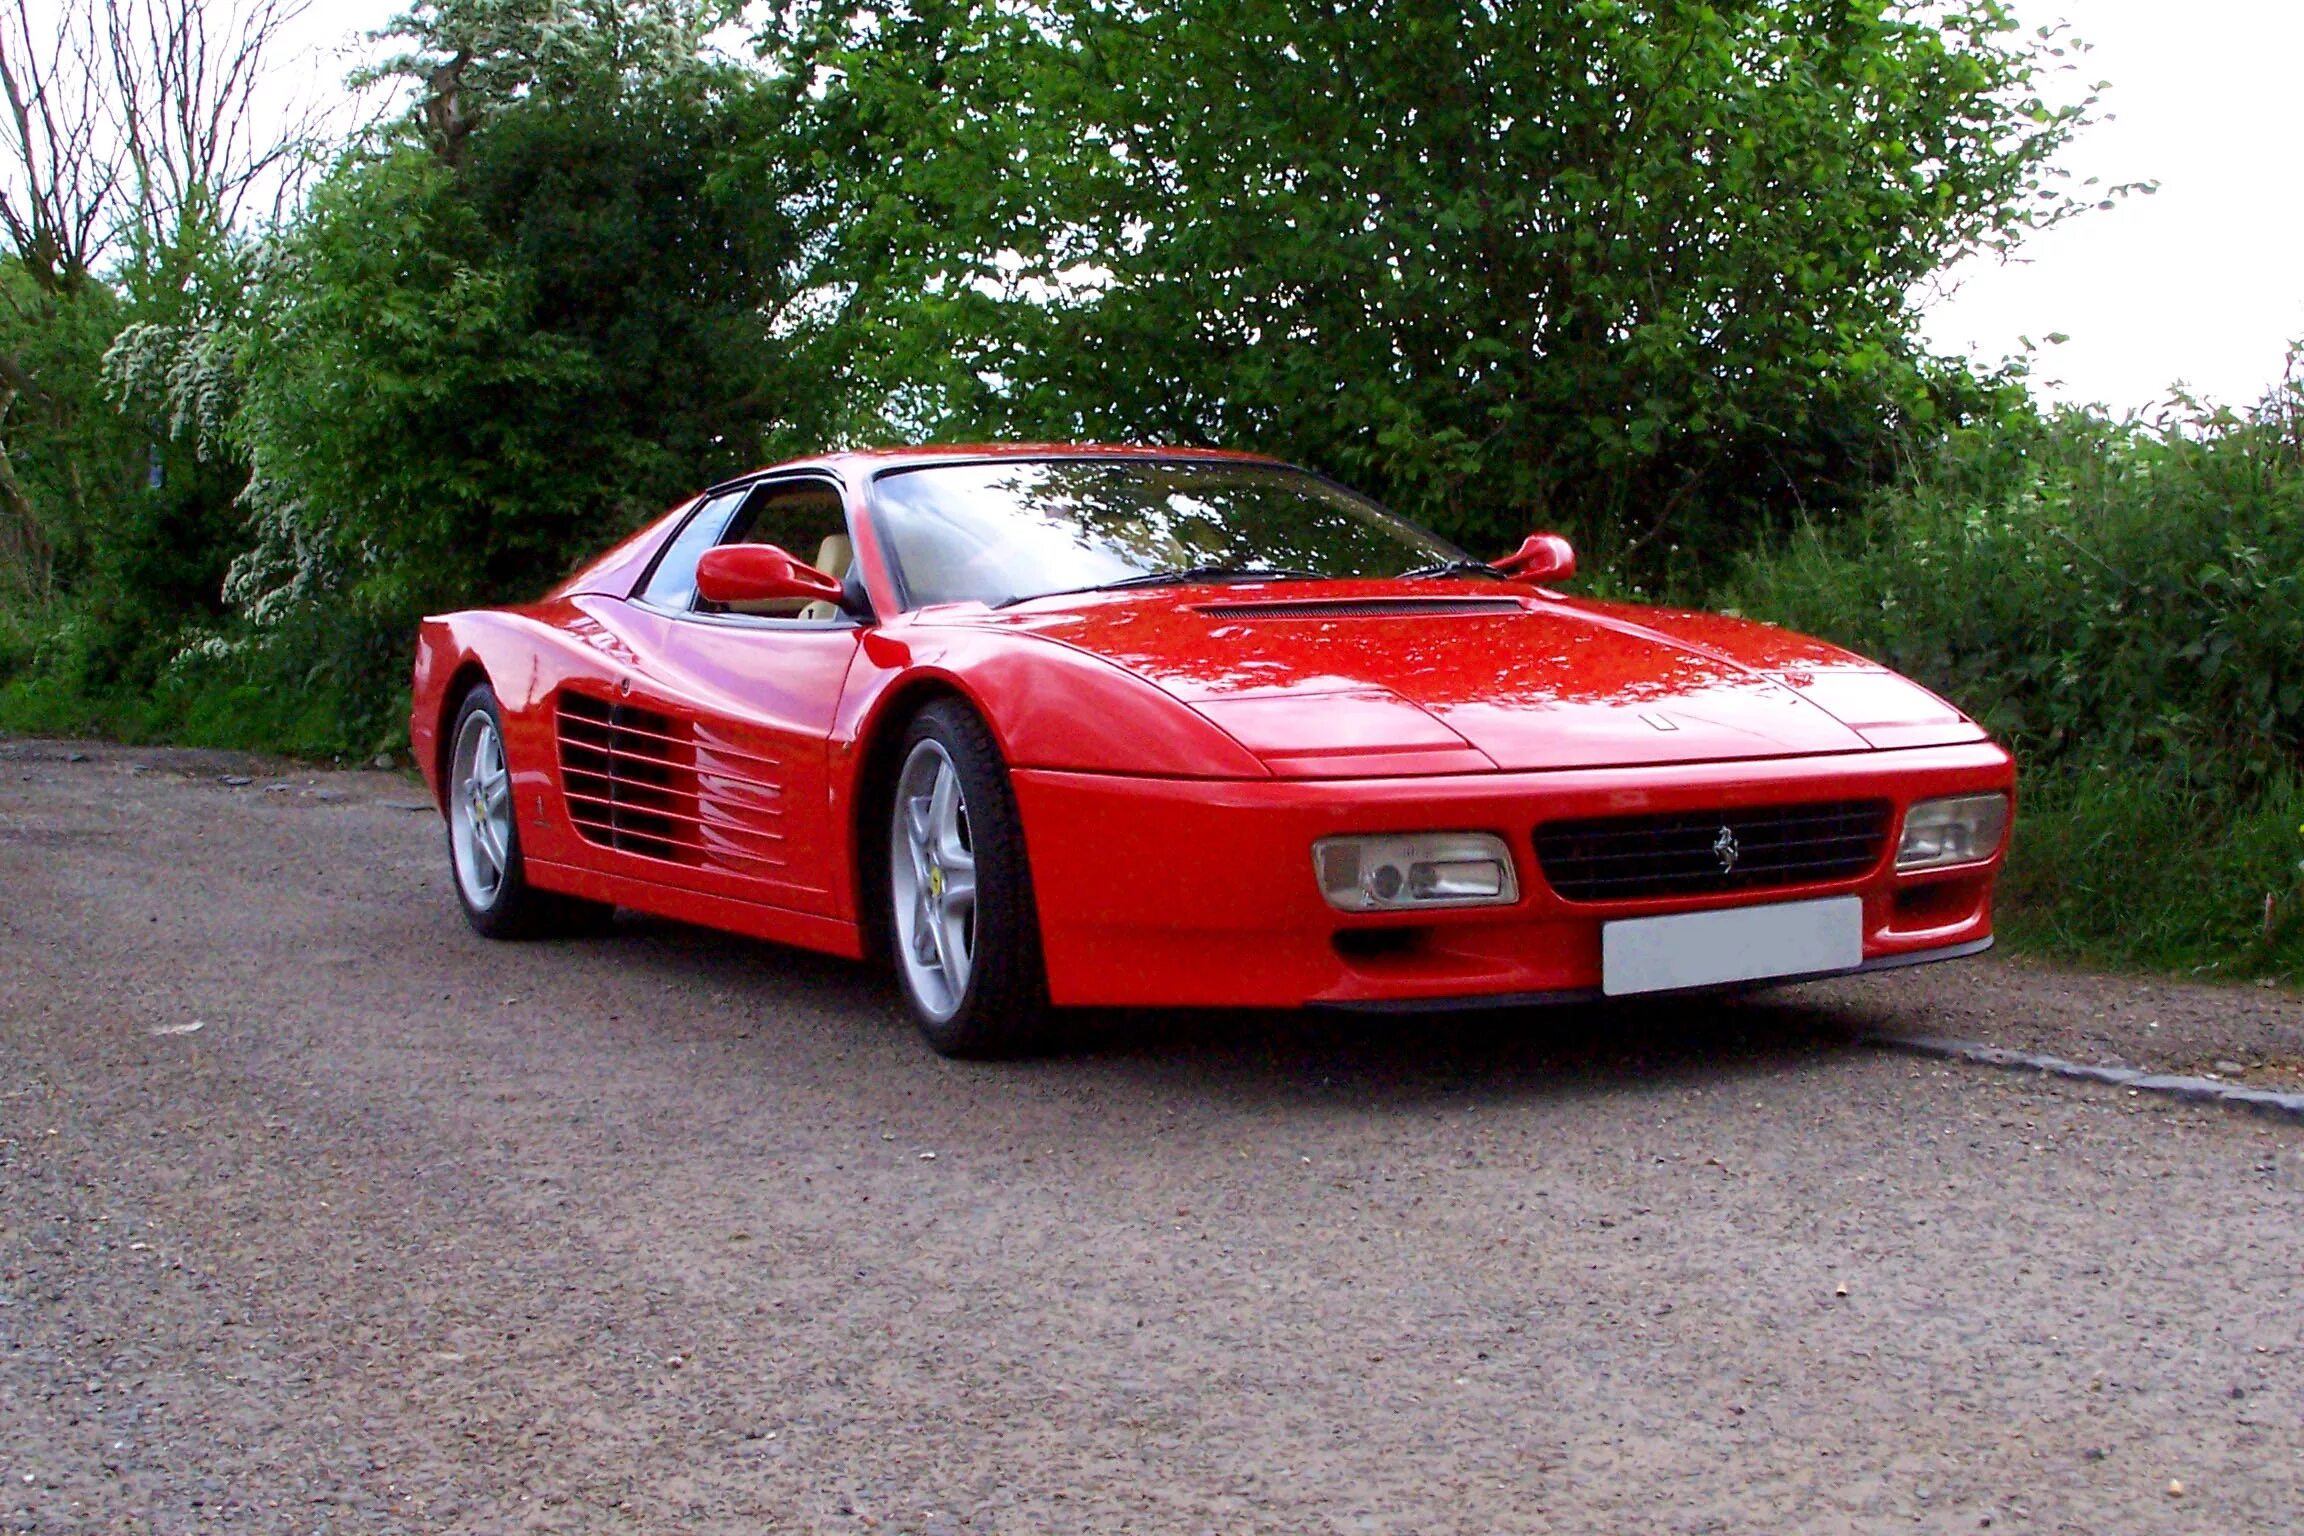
{"x": 1386, "y": 677}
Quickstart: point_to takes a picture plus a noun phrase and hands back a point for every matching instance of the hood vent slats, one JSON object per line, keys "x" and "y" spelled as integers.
{"x": 1365, "y": 608}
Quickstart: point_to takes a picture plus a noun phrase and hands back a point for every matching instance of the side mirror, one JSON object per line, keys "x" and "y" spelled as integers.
{"x": 1541, "y": 557}
{"x": 736, "y": 574}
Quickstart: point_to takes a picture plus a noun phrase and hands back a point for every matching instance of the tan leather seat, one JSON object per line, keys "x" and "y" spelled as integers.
{"x": 833, "y": 557}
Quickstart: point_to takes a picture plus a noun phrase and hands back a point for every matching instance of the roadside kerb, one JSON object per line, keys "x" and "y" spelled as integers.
{"x": 2202, "y": 1090}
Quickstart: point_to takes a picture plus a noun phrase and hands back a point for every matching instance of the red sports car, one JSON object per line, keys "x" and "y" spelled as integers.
{"x": 1065, "y": 726}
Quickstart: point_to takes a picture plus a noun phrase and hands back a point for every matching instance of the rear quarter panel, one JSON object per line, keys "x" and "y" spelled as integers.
{"x": 524, "y": 654}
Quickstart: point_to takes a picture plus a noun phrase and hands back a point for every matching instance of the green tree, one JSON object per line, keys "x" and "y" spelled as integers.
{"x": 539, "y": 309}
{"x": 1640, "y": 266}
{"x": 64, "y": 459}
{"x": 135, "y": 166}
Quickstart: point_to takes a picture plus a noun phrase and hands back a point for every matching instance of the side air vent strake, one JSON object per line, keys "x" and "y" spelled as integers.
{"x": 638, "y": 781}
{"x": 629, "y": 776}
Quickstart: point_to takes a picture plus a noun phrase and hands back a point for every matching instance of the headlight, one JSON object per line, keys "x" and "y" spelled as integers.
{"x": 1421, "y": 869}
{"x": 1961, "y": 829}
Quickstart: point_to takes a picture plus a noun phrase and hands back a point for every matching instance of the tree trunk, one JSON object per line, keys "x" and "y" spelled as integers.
{"x": 24, "y": 553}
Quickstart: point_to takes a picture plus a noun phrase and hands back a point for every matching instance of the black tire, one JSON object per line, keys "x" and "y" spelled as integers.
{"x": 1002, "y": 1010}
{"x": 510, "y": 908}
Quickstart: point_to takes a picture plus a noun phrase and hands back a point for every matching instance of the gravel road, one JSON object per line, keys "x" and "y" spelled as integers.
{"x": 668, "y": 1232}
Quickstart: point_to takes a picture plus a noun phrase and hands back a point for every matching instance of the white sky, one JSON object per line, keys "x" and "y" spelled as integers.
{"x": 333, "y": 24}
{"x": 2201, "y": 283}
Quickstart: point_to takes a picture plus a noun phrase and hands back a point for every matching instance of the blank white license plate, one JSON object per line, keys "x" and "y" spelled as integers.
{"x": 1706, "y": 949}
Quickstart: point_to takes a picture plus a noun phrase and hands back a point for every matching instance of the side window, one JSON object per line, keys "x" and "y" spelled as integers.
{"x": 673, "y": 583}
{"x": 808, "y": 521}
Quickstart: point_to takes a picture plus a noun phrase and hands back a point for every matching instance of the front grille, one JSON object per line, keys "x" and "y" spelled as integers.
{"x": 1365, "y": 608}
{"x": 629, "y": 777}
{"x": 1684, "y": 853}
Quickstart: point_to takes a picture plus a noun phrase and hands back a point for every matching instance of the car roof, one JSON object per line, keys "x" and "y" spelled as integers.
{"x": 866, "y": 461}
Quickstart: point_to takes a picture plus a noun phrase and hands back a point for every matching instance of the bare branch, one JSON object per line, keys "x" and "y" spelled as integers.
{"x": 144, "y": 123}
{"x": 59, "y": 178}
{"x": 18, "y": 382}
{"x": 185, "y": 76}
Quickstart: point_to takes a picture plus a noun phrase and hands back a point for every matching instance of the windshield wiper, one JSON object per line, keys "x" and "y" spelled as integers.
{"x": 1193, "y": 573}
{"x": 1183, "y": 576}
{"x": 1451, "y": 568}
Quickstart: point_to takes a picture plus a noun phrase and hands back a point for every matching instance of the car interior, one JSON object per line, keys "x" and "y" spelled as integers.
{"x": 808, "y": 522}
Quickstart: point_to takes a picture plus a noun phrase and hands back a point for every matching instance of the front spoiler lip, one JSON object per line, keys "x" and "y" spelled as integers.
{"x": 1587, "y": 995}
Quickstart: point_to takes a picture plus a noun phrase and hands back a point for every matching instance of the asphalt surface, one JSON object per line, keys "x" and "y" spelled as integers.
{"x": 671, "y": 1232}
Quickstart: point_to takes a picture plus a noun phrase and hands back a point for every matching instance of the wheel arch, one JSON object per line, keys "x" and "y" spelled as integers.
{"x": 470, "y": 674}
{"x": 879, "y": 745}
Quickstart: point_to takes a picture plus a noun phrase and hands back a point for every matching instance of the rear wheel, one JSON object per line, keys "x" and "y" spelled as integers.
{"x": 484, "y": 838}
{"x": 961, "y": 917}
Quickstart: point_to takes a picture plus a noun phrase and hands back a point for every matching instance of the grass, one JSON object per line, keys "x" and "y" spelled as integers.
{"x": 55, "y": 681}
{"x": 2123, "y": 603}
{"x": 2112, "y": 871}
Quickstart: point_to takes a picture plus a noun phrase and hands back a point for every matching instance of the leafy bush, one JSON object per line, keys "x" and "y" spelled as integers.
{"x": 67, "y": 460}
{"x": 114, "y": 537}
{"x": 2171, "y": 875}
{"x": 560, "y": 292}
{"x": 57, "y": 678}
{"x": 2124, "y": 603}
{"x": 483, "y": 360}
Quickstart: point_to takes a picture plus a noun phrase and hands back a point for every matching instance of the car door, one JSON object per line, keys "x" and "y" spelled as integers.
{"x": 739, "y": 706}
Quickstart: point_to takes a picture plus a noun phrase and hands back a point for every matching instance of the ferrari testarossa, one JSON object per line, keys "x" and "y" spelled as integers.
{"x": 1060, "y": 726}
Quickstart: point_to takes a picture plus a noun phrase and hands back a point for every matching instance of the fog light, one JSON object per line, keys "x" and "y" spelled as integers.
{"x": 1420, "y": 869}
{"x": 1961, "y": 829}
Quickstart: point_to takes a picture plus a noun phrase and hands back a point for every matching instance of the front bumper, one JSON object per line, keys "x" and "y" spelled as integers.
{"x": 1183, "y": 892}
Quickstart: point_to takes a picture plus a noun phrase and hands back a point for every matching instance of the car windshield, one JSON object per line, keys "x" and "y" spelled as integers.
{"x": 1003, "y": 530}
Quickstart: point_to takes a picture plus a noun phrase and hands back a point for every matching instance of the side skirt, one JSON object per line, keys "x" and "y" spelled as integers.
{"x": 753, "y": 919}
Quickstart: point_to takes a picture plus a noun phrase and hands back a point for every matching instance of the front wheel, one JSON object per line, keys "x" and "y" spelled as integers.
{"x": 961, "y": 916}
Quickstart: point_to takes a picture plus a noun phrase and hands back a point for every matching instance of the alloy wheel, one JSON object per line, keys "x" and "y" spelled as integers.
{"x": 932, "y": 880}
{"x": 480, "y": 810}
